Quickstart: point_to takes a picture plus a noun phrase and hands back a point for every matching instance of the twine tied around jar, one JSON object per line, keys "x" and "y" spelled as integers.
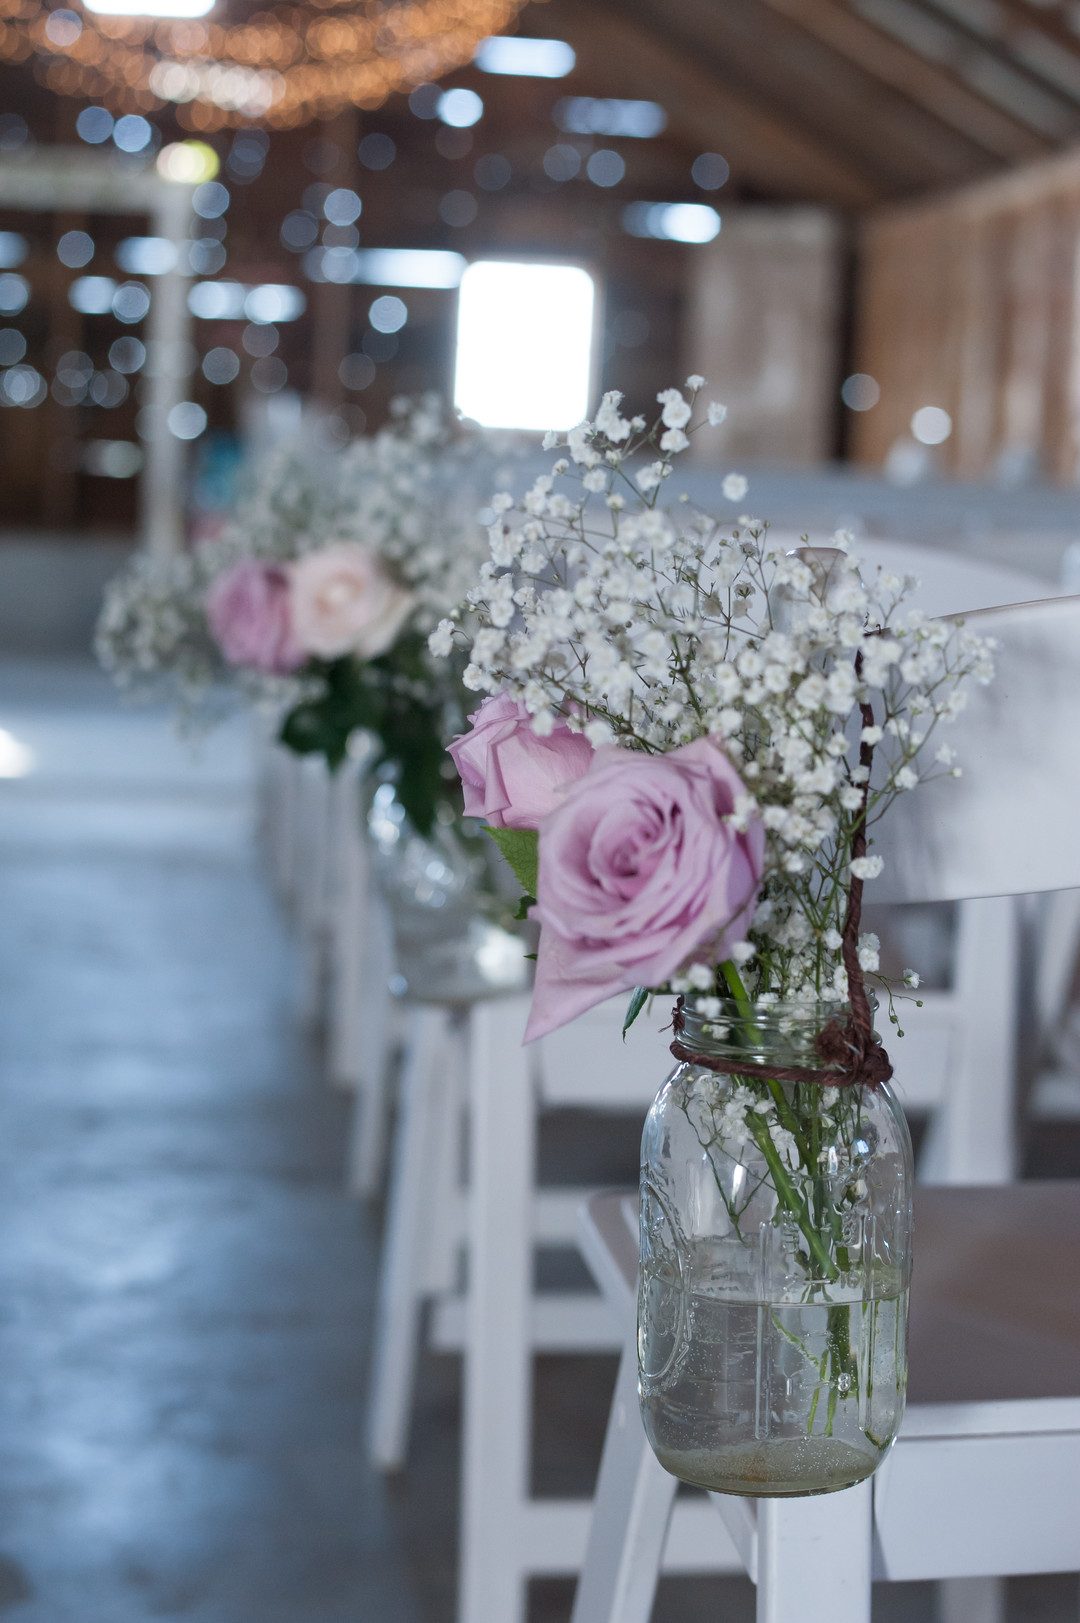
{"x": 850, "y": 1053}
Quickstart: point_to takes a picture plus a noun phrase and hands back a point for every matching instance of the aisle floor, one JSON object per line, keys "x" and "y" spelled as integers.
{"x": 185, "y": 1291}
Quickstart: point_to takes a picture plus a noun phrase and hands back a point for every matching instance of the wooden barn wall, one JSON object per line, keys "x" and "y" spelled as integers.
{"x": 970, "y": 302}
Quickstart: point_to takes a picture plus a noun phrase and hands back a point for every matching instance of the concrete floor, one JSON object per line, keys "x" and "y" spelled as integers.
{"x": 185, "y": 1292}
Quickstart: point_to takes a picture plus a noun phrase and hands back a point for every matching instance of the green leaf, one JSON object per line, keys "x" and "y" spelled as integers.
{"x": 523, "y": 907}
{"x": 520, "y": 847}
{"x": 638, "y": 999}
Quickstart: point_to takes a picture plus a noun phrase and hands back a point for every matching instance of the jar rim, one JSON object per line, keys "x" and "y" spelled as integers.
{"x": 766, "y": 1008}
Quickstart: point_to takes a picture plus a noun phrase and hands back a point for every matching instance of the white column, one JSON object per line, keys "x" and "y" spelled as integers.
{"x": 168, "y": 331}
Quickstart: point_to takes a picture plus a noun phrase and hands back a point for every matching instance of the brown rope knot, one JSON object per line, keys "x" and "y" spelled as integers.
{"x": 850, "y": 1054}
{"x": 846, "y": 1060}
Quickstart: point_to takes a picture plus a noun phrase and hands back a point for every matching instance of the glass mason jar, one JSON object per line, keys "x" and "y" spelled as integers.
{"x": 775, "y": 1263}
{"x": 453, "y": 934}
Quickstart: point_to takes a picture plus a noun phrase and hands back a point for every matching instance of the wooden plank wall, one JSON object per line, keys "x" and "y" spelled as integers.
{"x": 971, "y": 302}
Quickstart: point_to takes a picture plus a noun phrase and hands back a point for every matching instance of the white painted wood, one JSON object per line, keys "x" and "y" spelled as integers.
{"x": 1017, "y": 739}
{"x": 409, "y": 1216}
{"x": 634, "y": 1497}
{"x": 349, "y": 903}
{"x": 375, "y": 1015}
{"x": 971, "y": 1506}
{"x": 497, "y": 1406}
{"x": 313, "y": 883}
{"x": 551, "y": 1535}
{"x": 1056, "y": 949}
{"x": 558, "y": 1322}
{"x": 589, "y": 1063}
{"x": 813, "y": 1558}
{"x": 285, "y": 831}
{"x": 972, "y": 1133}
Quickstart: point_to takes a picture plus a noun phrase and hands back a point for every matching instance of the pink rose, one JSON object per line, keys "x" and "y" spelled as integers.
{"x": 344, "y": 602}
{"x": 639, "y": 871}
{"x": 248, "y": 611}
{"x": 511, "y": 776}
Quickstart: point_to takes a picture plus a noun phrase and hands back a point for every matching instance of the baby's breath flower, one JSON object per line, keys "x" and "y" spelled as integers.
{"x": 658, "y": 626}
{"x": 441, "y": 640}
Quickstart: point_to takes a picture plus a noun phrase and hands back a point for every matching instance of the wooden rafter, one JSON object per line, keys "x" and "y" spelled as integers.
{"x": 898, "y": 145}
{"x": 933, "y": 88}
{"x": 770, "y": 152}
{"x": 974, "y": 48}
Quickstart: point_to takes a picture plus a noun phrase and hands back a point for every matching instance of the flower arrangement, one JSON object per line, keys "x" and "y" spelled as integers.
{"x": 686, "y": 739}
{"x": 318, "y": 598}
{"x": 677, "y": 747}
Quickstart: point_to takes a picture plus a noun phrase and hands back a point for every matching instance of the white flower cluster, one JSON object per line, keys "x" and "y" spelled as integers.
{"x": 409, "y": 493}
{"x": 152, "y": 630}
{"x": 648, "y": 628}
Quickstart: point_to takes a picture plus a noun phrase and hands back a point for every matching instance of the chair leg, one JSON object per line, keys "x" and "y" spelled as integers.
{"x": 497, "y": 1406}
{"x": 400, "y": 1300}
{"x": 813, "y": 1558}
{"x": 367, "y": 1149}
{"x": 346, "y": 920}
{"x": 971, "y": 1600}
{"x": 631, "y": 1511}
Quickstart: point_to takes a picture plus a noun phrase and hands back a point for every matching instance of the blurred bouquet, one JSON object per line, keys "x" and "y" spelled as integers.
{"x": 318, "y": 597}
{"x": 676, "y": 749}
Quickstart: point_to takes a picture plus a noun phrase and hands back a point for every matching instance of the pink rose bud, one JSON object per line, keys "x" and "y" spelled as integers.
{"x": 511, "y": 776}
{"x": 248, "y": 611}
{"x": 345, "y": 602}
{"x": 639, "y": 872}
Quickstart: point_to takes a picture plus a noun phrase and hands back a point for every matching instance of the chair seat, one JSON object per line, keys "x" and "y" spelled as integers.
{"x": 995, "y": 1296}
{"x": 982, "y": 1480}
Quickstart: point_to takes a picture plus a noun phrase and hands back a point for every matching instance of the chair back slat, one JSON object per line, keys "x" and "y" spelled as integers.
{"x": 1011, "y": 823}
{"x": 587, "y": 1062}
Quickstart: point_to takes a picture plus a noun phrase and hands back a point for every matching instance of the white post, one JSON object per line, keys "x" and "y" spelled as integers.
{"x": 168, "y": 329}
{"x": 497, "y": 1406}
{"x": 813, "y": 1558}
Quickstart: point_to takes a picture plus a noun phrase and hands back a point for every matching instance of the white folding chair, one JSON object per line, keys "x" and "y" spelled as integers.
{"x": 957, "y": 1064}
{"x": 1007, "y": 827}
{"x": 957, "y": 1060}
{"x": 982, "y": 1480}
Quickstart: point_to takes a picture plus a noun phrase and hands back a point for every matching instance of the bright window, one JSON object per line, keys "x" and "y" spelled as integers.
{"x": 524, "y": 344}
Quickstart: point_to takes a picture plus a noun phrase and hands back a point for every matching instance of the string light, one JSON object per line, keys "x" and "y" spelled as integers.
{"x": 284, "y": 65}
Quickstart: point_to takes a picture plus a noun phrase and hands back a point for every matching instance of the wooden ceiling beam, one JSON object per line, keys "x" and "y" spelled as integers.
{"x": 1019, "y": 19}
{"x": 989, "y": 45}
{"x": 934, "y": 89}
{"x": 770, "y": 152}
{"x": 897, "y": 145}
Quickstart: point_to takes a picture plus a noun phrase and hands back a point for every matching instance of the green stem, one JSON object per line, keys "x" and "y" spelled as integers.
{"x": 784, "y": 1111}
{"x": 787, "y": 1195}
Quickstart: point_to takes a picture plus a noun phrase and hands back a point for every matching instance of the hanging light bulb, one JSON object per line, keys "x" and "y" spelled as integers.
{"x": 284, "y": 66}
